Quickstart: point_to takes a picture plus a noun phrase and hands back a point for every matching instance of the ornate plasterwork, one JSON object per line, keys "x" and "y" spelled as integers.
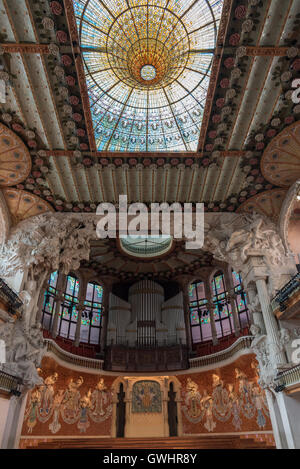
{"x": 280, "y": 163}
{"x": 245, "y": 236}
{"x": 15, "y": 160}
{"x": 47, "y": 242}
{"x": 24, "y": 205}
{"x": 267, "y": 203}
{"x": 286, "y": 211}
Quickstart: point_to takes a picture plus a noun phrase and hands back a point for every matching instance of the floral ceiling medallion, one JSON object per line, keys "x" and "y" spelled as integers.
{"x": 147, "y": 66}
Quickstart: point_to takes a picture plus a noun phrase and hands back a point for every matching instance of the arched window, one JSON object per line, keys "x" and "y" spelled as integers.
{"x": 199, "y": 314}
{"x": 92, "y": 315}
{"x": 240, "y": 300}
{"x": 68, "y": 314}
{"x": 222, "y": 310}
{"x": 49, "y": 301}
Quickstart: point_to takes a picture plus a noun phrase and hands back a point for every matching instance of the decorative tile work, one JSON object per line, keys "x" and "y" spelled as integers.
{"x": 146, "y": 397}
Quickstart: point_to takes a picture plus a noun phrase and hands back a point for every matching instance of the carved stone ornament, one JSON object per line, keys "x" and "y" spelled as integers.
{"x": 47, "y": 242}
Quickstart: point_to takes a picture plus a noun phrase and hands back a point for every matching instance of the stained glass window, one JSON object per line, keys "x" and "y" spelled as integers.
{"x": 240, "y": 300}
{"x": 49, "y": 301}
{"x": 222, "y": 307}
{"x": 68, "y": 314}
{"x": 147, "y": 66}
{"x": 92, "y": 315}
{"x": 199, "y": 314}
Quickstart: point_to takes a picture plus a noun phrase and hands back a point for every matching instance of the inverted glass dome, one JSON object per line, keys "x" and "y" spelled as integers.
{"x": 147, "y": 66}
{"x": 146, "y": 246}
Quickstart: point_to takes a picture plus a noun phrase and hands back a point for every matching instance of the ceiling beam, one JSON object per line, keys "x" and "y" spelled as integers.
{"x": 112, "y": 154}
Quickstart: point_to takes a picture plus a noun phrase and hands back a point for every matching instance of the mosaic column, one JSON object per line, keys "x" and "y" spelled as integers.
{"x": 277, "y": 355}
{"x": 80, "y": 309}
{"x": 231, "y": 297}
{"x": 184, "y": 284}
{"x": 105, "y": 304}
{"x": 39, "y": 310}
{"x": 61, "y": 285}
{"x": 211, "y": 307}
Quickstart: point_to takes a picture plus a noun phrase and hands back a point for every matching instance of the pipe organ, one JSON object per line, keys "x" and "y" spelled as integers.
{"x": 146, "y": 320}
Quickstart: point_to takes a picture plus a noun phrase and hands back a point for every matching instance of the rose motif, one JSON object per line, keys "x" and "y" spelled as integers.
{"x": 174, "y": 161}
{"x": 146, "y": 162}
{"x": 229, "y": 62}
{"x": 83, "y": 146}
{"x": 74, "y": 100}
{"x": 260, "y": 146}
{"x": 220, "y": 102}
{"x": 39, "y": 162}
{"x": 234, "y": 39}
{"x": 289, "y": 120}
{"x": 70, "y": 80}
{"x": 56, "y": 8}
{"x": 87, "y": 209}
{"x": 77, "y": 117}
{"x": 118, "y": 161}
{"x": 296, "y": 65}
{"x": 240, "y": 12}
{"x": 254, "y": 172}
{"x": 59, "y": 208}
{"x": 66, "y": 60}
{"x": 253, "y": 161}
{"x": 189, "y": 161}
{"x": 17, "y": 127}
{"x": 242, "y": 199}
{"x": 216, "y": 118}
{"x": 205, "y": 161}
{"x": 20, "y": 186}
{"x": 160, "y": 161}
{"x": 224, "y": 83}
{"x": 271, "y": 133}
{"x": 32, "y": 143}
{"x": 50, "y": 198}
{"x": 37, "y": 192}
{"x": 212, "y": 134}
{"x": 80, "y": 132}
{"x": 132, "y": 161}
{"x": 230, "y": 208}
{"x": 76, "y": 209}
{"x": 104, "y": 161}
{"x": 209, "y": 147}
{"x": 36, "y": 174}
{"x": 61, "y": 36}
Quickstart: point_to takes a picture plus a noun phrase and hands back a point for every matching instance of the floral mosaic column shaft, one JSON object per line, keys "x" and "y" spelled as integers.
{"x": 61, "y": 284}
{"x": 277, "y": 355}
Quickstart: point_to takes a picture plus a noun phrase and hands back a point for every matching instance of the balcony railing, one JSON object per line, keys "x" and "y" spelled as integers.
{"x": 243, "y": 343}
{"x": 282, "y": 296}
{"x": 85, "y": 362}
{"x": 9, "y": 296}
{"x": 10, "y": 384}
{"x": 288, "y": 378}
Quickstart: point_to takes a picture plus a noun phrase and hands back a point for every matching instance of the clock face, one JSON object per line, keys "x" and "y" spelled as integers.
{"x": 146, "y": 246}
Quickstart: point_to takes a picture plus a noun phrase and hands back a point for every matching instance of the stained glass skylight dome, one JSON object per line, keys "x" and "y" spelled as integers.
{"x": 147, "y": 66}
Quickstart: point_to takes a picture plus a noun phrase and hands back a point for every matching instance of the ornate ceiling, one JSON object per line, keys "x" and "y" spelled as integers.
{"x": 147, "y": 66}
{"x": 108, "y": 258}
{"x": 248, "y": 112}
